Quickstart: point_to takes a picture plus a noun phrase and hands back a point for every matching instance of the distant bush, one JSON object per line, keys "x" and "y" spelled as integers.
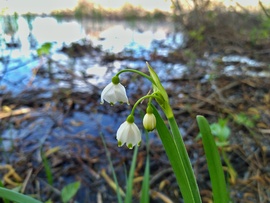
{"x": 128, "y": 12}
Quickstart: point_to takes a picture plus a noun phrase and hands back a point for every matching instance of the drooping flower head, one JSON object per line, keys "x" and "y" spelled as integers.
{"x": 128, "y": 133}
{"x": 149, "y": 119}
{"x": 114, "y": 92}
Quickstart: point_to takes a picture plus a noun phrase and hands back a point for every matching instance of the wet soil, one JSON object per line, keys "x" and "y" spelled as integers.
{"x": 64, "y": 124}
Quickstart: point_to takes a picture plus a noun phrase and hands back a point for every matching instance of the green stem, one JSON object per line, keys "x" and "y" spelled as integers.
{"x": 191, "y": 183}
{"x": 141, "y": 99}
{"x": 231, "y": 171}
{"x": 138, "y": 72}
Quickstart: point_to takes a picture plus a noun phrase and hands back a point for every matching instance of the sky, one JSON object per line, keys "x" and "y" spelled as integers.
{"x": 46, "y": 6}
{"x": 35, "y": 6}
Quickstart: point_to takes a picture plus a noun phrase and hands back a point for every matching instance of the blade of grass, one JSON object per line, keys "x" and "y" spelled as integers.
{"x": 111, "y": 183}
{"x": 16, "y": 197}
{"x": 220, "y": 193}
{"x": 128, "y": 198}
{"x": 145, "y": 185}
{"x": 2, "y": 185}
{"x": 119, "y": 199}
{"x": 176, "y": 152}
{"x": 47, "y": 167}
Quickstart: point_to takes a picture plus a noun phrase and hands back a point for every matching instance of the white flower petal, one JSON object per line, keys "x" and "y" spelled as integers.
{"x": 120, "y": 91}
{"x": 120, "y": 132}
{"x": 113, "y": 93}
{"x": 135, "y": 139}
{"x": 106, "y": 91}
{"x": 110, "y": 97}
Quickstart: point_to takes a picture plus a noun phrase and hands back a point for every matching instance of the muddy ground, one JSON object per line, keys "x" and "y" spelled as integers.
{"x": 65, "y": 124}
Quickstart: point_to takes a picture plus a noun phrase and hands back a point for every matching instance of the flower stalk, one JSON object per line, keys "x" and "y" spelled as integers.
{"x": 173, "y": 143}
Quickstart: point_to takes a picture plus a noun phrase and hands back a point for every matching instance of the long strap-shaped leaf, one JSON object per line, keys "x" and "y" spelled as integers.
{"x": 176, "y": 152}
{"x": 16, "y": 197}
{"x": 128, "y": 197}
{"x": 146, "y": 185}
{"x": 220, "y": 193}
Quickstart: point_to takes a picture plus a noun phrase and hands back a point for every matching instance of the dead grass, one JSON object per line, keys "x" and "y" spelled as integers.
{"x": 215, "y": 28}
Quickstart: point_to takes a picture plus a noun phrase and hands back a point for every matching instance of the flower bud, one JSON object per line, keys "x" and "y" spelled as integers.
{"x": 149, "y": 119}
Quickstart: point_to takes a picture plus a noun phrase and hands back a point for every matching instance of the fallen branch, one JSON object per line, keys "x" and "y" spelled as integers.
{"x": 14, "y": 112}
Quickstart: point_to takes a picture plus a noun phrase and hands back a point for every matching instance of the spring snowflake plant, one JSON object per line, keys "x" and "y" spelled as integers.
{"x": 129, "y": 134}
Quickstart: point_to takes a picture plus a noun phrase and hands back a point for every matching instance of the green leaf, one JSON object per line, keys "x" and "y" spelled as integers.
{"x": 69, "y": 191}
{"x": 157, "y": 86}
{"x": 220, "y": 193}
{"x": 44, "y": 49}
{"x": 118, "y": 191}
{"x": 146, "y": 185}
{"x": 244, "y": 119}
{"x": 160, "y": 90}
{"x": 2, "y": 185}
{"x": 176, "y": 152}
{"x": 221, "y": 131}
{"x": 128, "y": 197}
{"x": 16, "y": 197}
{"x": 47, "y": 167}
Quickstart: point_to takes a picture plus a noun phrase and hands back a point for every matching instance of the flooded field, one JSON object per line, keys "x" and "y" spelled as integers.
{"x": 51, "y": 102}
{"x": 78, "y": 63}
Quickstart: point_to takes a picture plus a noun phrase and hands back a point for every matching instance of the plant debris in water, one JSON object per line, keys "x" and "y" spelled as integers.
{"x": 63, "y": 121}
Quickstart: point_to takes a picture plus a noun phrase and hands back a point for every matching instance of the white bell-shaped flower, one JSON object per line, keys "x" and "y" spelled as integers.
{"x": 128, "y": 133}
{"x": 114, "y": 92}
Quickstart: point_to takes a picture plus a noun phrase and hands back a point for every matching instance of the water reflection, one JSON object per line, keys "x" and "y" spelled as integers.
{"x": 49, "y": 30}
{"x": 113, "y": 36}
{"x": 133, "y": 39}
{"x": 17, "y": 62}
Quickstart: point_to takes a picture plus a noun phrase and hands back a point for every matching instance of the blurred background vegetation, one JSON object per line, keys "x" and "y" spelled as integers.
{"x": 213, "y": 58}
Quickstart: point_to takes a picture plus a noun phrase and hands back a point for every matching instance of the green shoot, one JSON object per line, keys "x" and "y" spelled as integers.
{"x": 220, "y": 193}
{"x": 69, "y": 191}
{"x": 47, "y": 167}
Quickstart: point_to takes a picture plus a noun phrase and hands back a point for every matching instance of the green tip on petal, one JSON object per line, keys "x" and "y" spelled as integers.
{"x": 119, "y": 143}
{"x": 130, "y": 146}
{"x": 139, "y": 144}
{"x": 115, "y": 80}
{"x": 111, "y": 103}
